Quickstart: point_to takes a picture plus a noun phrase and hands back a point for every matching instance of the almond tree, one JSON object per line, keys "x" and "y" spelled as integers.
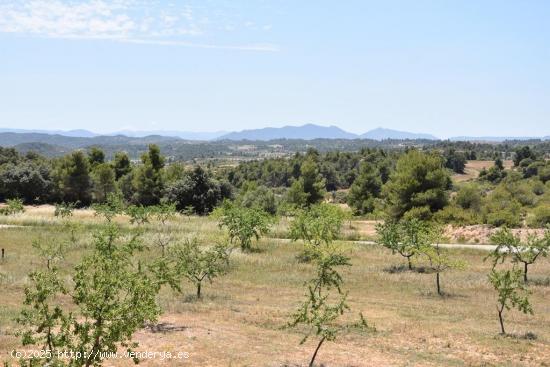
{"x": 405, "y": 237}
{"x": 512, "y": 293}
{"x": 325, "y": 300}
{"x": 198, "y": 264}
{"x": 523, "y": 252}
{"x": 440, "y": 262}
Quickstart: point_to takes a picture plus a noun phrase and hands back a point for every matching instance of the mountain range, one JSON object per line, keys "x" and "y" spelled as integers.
{"x": 304, "y": 132}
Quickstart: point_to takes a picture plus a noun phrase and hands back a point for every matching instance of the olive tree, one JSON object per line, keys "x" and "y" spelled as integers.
{"x": 522, "y": 252}
{"x": 512, "y": 293}
{"x": 198, "y": 264}
{"x": 243, "y": 224}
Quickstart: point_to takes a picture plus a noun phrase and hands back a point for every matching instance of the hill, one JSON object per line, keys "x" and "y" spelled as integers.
{"x": 305, "y": 132}
{"x": 382, "y": 134}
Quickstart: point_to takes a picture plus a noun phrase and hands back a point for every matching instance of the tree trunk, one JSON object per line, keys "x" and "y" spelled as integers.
{"x": 437, "y": 282}
{"x": 409, "y": 262}
{"x": 198, "y": 290}
{"x": 501, "y": 322}
{"x": 316, "y": 350}
{"x": 525, "y": 272}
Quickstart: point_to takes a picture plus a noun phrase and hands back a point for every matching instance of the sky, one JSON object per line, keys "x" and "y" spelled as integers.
{"x": 448, "y": 68}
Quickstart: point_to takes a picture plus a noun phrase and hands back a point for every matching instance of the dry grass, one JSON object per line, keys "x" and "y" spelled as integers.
{"x": 238, "y": 323}
{"x": 472, "y": 169}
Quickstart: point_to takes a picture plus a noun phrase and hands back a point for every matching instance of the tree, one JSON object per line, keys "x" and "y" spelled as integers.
{"x": 325, "y": 300}
{"x": 313, "y": 183}
{"x": 13, "y": 206}
{"x": 243, "y": 224}
{"x": 112, "y": 207}
{"x": 103, "y": 177}
{"x": 417, "y": 187}
{"x": 112, "y": 298}
{"x": 318, "y": 225}
{"x": 164, "y": 212}
{"x": 148, "y": 180}
{"x": 523, "y": 152}
{"x": 96, "y": 156}
{"x": 28, "y": 180}
{"x": 365, "y": 189}
{"x": 75, "y": 179}
{"x": 524, "y": 252}
{"x": 455, "y": 161}
{"x": 198, "y": 264}
{"x": 405, "y": 237}
{"x": 121, "y": 165}
{"x": 439, "y": 261}
{"x": 138, "y": 214}
{"x": 254, "y": 196}
{"x": 197, "y": 189}
{"x": 512, "y": 293}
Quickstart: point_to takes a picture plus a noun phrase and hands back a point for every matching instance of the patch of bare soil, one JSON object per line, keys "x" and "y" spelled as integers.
{"x": 481, "y": 233}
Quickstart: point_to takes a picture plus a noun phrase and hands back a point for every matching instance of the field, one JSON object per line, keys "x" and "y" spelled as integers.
{"x": 472, "y": 169}
{"x": 239, "y": 321}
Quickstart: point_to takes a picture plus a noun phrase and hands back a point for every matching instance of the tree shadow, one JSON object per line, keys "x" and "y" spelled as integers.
{"x": 165, "y": 327}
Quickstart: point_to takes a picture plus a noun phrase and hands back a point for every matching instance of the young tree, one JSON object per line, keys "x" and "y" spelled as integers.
{"x": 512, "y": 293}
{"x": 198, "y": 264}
{"x": 406, "y": 237}
{"x": 113, "y": 206}
{"x": 417, "y": 187}
{"x": 138, "y": 214}
{"x": 13, "y": 206}
{"x": 164, "y": 212}
{"x": 243, "y": 224}
{"x": 112, "y": 298}
{"x": 318, "y": 225}
{"x": 325, "y": 301}
{"x": 50, "y": 250}
{"x": 439, "y": 261}
{"x": 64, "y": 210}
{"x": 524, "y": 252}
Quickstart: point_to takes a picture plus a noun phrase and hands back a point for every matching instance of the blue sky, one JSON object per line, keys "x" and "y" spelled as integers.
{"x": 443, "y": 67}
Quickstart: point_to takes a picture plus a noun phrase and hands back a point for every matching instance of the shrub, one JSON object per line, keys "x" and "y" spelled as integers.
{"x": 540, "y": 217}
{"x": 469, "y": 197}
{"x": 456, "y": 215}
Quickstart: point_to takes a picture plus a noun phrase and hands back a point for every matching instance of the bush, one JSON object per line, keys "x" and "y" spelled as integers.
{"x": 456, "y": 215}
{"x": 540, "y": 217}
{"x": 469, "y": 197}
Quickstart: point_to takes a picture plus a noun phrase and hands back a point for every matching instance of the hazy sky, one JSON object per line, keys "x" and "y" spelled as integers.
{"x": 442, "y": 67}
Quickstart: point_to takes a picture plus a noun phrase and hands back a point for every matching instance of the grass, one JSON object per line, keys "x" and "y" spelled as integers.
{"x": 239, "y": 321}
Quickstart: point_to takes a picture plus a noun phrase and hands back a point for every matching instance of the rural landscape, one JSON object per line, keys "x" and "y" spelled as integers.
{"x": 278, "y": 183}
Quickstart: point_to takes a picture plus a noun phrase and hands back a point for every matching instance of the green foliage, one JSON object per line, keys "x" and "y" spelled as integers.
{"x": 325, "y": 300}
{"x": 500, "y": 208}
{"x": 164, "y": 212}
{"x": 440, "y": 260}
{"x": 522, "y": 153}
{"x": 96, "y": 156}
{"x": 406, "y": 237}
{"x": 138, "y": 214}
{"x": 113, "y": 206}
{"x": 540, "y": 216}
{"x": 197, "y": 189}
{"x": 74, "y": 179}
{"x": 112, "y": 298}
{"x": 50, "y": 250}
{"x": 469, "y": 197}
{"x": 121, "y": 165}
{"x": 30, "y": 180}
{"x": 243, "y": 224}
{"x": 456, "y": 215}
{"x": 13, "y": 207}
{"x": 512, "y": 293}
{"x": 309, "y": 188}
{"x": 103, "y": 178}
{"x": 521, "y": 252}
{"x": 148, "y": 182}
{"x": 197, "y": 264}
{"x": 365, "y": 189}
{"x": 317, "y": 225}
{"x": 64, "y": 210}
{"x": 419, "y": 181}
{"x": 456, "y": 161}
{"x": 260, "y": 197}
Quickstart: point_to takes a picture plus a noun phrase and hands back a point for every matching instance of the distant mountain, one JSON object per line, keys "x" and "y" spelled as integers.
{"x": 496, "y": 139}
{"x": 382, "y": 134}
{"x": 187, "y": 135}
{"x": 305, "y": 132}
{"x": 78, "y": 133}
